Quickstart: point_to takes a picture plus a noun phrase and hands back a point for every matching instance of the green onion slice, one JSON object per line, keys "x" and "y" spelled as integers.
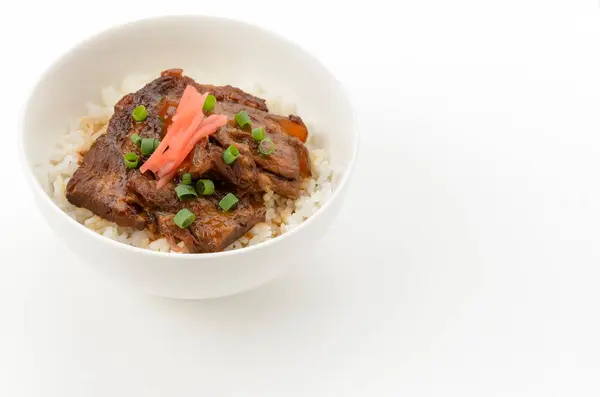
{"x": 149, "y": 145}
{"x": 266, "y": 146}
{"x": 136, "y": 139}
{"x": 140, "y": 113}
{"x": 243, "y": 119}
{"x": 230, "y": 154}
{"x": 209, "y": 103}
{"x": 205, "y": 187}
{"x": 228, "y": 202}
{"x": 185, "y": 192}
{"x": 186, "y": 179}
{"x": 184, "y": 218}
{"x": 258, "y": 133}
{"x": 131, "y": 160}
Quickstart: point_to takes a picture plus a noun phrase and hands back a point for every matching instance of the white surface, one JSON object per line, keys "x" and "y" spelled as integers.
{"x": 319, "y": 97}
{"x": 477, "y": 276}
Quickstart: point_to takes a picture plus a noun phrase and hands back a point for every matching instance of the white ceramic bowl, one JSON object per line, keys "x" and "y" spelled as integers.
{"x": 237, "y": 53}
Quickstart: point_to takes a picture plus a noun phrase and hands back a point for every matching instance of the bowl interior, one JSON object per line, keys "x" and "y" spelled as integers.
{"x": 222, "y": 51}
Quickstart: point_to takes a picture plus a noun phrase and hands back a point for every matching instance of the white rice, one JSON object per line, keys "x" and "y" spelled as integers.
{"x": 282, "y": 214}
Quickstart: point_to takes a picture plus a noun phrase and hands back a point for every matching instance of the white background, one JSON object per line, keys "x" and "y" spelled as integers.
{"x": 465, "y": 261}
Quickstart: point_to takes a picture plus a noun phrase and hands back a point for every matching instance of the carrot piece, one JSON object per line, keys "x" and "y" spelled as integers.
{"x": 186, "y": 114}
{"x": 183, "y": 137}
{"x": 154, "y": 161}
{"x": 175, "y": 156}
{"x": 189, "y": 126}
{"x": 166, "y": 168}
{"x": 294, "y": 128}
{"x": 209, "y": 126}
{"x": 178, "y": 153}
{"x": 165, "y": 179}
{"x": 187, "y": 99}
{"x": 189, "y": 105}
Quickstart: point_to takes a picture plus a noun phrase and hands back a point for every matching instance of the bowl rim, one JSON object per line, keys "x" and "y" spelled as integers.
{"x": 61, "y": 58}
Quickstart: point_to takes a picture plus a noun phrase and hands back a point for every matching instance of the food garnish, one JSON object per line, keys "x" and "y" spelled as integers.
{"x": 228, "y": 202}
{"x": 184, "y": 218}
{"x": 230, "y": 154}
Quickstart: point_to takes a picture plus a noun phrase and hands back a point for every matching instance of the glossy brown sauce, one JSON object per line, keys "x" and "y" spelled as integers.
{"x": 172, "y": 72}
{"x": 166, "y": 111}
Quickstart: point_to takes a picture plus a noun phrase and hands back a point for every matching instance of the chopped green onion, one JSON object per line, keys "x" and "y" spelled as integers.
{"x": 185, "y": 192}
{"x": 205, "y": 187}
{"x": 136, "y": 139}
{"x": 228, "y": 202}
{"x": 140, "y": 113}
{"x": 209, "y": 103}
{"x": 266, "y": 146}
{"x": 131, "y": 160}
{"x": 184, "y": 218}
{"x": 258, "y": 133}
{"x": 149, "y": 145}
{"x": 243, "y": 119}
{"x": 186, "y": 179}
{"x": 230, "y": 154}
